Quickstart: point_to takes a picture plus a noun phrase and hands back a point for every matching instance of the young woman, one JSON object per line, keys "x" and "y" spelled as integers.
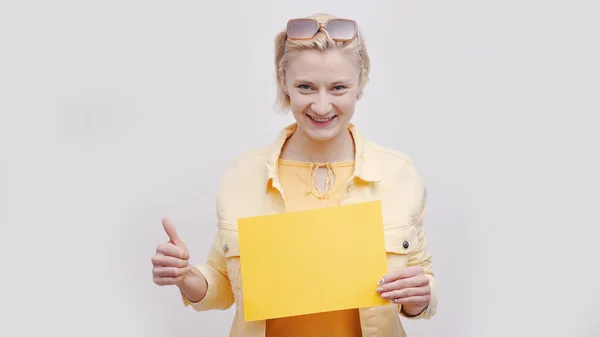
{"x": 321, "y": 160}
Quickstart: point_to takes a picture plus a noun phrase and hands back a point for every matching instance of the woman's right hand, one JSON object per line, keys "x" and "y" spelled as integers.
{"x": 171, "y": 261}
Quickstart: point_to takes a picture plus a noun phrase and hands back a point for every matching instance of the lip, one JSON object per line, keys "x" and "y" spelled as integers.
{"x": 327, "y": 120}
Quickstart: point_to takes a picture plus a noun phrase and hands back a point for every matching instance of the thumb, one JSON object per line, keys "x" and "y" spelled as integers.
{"x": 172, "y": 232}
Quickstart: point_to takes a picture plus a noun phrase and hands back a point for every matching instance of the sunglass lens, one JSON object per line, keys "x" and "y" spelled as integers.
{"x": 302, "y": 29}
{"x": 341, "y": 29}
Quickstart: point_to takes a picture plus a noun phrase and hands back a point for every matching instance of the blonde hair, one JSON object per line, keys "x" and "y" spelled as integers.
{"x": 323, "y": 42}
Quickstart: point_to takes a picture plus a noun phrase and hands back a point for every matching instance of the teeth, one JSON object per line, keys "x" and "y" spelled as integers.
{"x": 321, "y": 120}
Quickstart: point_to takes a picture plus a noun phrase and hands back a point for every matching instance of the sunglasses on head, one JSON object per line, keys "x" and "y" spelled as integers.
{"x": 305, "y": 29}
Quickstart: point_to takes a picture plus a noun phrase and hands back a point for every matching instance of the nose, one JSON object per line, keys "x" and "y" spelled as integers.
{"x": 321, "y": 105}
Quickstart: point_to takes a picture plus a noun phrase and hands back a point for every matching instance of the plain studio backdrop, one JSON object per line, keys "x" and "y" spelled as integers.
{"x": 117, "y": 113}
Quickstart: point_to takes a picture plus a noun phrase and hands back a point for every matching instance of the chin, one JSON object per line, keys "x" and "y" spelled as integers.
{"x": 322, "y": 135}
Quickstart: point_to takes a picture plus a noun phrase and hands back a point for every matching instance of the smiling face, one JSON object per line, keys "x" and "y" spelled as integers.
{"x": 323, "y": 87}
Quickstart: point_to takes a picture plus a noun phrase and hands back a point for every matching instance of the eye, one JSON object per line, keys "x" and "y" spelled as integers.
{"x": 339, "y": 87}
{"x": 303, "y": 87}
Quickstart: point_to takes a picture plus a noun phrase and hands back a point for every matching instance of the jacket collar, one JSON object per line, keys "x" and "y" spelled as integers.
{"x": 365, "y": 168}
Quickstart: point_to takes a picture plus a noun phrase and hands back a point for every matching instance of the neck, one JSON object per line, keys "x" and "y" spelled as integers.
{"x": 301, "y": 147}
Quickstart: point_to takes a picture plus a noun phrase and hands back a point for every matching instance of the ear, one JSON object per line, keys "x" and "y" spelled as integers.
{"x": 281, "y": 79}
{"x": 363, "y": 82}
{"x": 364, "y": 79}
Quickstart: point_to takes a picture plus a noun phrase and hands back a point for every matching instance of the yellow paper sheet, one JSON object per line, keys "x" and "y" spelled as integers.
{"x": 313, "y": 261}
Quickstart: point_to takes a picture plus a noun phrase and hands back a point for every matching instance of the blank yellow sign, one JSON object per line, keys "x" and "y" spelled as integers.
{"x": 313, "y": 261}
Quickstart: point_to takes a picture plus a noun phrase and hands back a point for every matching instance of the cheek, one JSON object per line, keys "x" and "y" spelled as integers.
{"x": 299, "y": 102}
{"x": 345, "y": 103}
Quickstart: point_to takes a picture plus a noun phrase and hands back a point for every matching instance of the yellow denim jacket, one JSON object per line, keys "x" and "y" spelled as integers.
{"x": 250, "y": 187}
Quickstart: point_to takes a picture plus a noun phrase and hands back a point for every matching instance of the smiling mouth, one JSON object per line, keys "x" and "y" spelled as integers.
{"x": 321, "y": 119}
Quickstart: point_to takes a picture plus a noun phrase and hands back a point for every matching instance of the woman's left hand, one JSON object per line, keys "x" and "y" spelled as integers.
{"x": 409, "y": 287}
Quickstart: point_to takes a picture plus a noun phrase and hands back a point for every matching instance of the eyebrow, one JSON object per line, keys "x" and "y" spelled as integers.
{"x": 344, "y": 81}
{"x": 299, "y": 80}
{"x": 338, "y": 82}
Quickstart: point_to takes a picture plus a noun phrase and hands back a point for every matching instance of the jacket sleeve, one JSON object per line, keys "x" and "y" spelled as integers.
{"x": 219, "y": 295}
{"x": 420, "y": 256}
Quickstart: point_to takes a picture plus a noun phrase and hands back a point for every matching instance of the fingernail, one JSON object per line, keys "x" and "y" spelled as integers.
{"x": 380, "y": 289}
{"x": 385, "y": 295}
{"x": 393, "y": 300}
{"x": 381, "y": 281}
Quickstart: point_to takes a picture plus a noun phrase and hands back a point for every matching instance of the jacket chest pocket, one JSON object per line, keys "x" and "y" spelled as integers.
{"x": 228, "y": 236}
{"x": 400, "y": 240}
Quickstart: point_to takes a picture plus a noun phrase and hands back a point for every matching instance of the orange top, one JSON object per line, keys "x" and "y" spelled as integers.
{"x": 301, "y": 193}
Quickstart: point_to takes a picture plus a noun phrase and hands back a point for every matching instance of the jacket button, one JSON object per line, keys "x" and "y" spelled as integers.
{"x": 405, "y": 244}
{"x": 226, "y": 248}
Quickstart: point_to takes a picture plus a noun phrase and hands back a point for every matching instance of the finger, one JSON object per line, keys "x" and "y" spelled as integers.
{"x": 170, "y": 249}
{"x": 419, "y": 300}
{"x": 407, "y": 292}
{"x": 161, "y": 260}
{"x": 169, "y": 271}
{"x": 171, "y": 231}
{"x": 166, "y": 281}
{"x": 401, "y": 274}
{"x": 415, "y": 281}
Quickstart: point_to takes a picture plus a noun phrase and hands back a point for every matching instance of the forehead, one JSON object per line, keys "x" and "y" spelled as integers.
{"x": 321, "y": 66}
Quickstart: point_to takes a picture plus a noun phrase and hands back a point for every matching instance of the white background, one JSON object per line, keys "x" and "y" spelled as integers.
{"x": 116, "y": 113}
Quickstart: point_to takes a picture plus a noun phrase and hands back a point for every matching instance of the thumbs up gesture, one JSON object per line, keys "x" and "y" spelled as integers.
{"x": 170, "y": 263}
